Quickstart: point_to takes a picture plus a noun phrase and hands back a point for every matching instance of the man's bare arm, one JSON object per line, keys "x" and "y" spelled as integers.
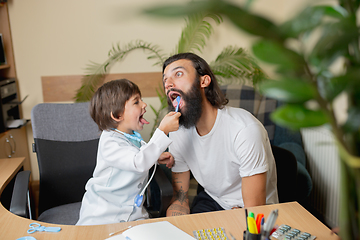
{"x": 254, "y": 190}
{"x": 180, "y": 201}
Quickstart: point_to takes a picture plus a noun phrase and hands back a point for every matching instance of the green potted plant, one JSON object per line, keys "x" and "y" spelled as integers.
{"x": 304, "y": 74}
{"x": 233, "y": 64}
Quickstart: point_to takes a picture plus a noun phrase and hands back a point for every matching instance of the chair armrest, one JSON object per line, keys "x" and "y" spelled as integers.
{"x": 166, "y": 190}
{"x": 161, "y": 192}
{"x": 304, "y": 184}
{"x": 19, "y": 200}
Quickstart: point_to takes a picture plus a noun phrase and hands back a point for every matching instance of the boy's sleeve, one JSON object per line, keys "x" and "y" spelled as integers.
{"x": 130, "y": 158}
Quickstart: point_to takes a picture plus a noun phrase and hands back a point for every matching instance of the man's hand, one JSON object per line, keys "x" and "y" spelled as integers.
{"x": 180, "y": 201}
{"x": 254, "y": 190}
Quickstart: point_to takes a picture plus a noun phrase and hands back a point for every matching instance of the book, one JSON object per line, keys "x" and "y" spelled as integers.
{"x": 153, "y": 231}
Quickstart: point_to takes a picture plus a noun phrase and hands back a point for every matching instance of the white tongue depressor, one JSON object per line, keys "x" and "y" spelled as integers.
{"x": 178, "y": 103}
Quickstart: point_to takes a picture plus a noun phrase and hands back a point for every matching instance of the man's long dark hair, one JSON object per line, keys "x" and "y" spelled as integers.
{"x": 213, "y": 92}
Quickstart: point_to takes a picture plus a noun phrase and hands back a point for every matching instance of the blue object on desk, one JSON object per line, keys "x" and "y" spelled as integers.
{"x": 37, "y": 227}
{"x": 26, "y": 238}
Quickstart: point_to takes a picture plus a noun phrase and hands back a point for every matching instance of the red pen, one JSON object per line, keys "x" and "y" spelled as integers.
{"x": 273, "y": 230}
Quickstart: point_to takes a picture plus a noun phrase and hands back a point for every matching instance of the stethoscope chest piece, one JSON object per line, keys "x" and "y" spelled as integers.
{"x": 138, "y": 200}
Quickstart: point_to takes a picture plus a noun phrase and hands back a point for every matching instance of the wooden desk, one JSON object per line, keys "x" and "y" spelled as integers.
{"x": 293, "y": 214}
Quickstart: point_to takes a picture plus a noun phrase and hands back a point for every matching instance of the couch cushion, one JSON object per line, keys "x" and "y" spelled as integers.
{"x": 246, "y": 97}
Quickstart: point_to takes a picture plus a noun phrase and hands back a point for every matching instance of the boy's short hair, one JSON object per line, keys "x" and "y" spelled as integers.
{"x": 111, "y": 98}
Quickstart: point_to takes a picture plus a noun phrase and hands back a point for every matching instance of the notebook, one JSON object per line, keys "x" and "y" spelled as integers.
{"x": 153, "y": 231}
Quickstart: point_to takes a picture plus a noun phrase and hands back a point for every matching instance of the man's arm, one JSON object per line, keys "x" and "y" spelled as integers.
{"x": 180, "y": 201}
{"x": 254, "y": 190}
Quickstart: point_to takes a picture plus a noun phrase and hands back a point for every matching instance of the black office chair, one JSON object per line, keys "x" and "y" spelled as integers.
{"x": 20, "y": 203}
{"x": 286, "y": 171}
{"x": 66, "y": 142}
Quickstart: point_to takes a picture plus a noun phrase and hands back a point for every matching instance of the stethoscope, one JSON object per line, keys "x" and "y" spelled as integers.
{"x": 139, "y": 197}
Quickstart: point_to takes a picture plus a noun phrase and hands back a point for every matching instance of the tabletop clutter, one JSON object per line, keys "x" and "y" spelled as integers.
{"x": 257, "y": 228}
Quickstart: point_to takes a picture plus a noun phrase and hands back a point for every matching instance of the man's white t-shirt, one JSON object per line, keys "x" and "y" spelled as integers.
{"x": 237, "y": 146}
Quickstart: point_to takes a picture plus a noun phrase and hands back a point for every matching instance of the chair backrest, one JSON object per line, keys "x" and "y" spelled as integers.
{"x": 246, "y": 97}
{"x": 66, "y": 140}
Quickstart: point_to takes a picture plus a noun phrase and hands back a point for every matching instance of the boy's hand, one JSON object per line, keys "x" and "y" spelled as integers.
{"x": 170, "y": 122}
{"x": 166, "y": 158}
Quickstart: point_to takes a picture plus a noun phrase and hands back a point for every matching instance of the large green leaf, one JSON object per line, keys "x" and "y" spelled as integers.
{"x": 331, "y": 87}
{"x": 335, "y": 39}
{"x": 353, "y": 122}
{"x": 249, "y": 22}
{"x": 275, "y": 53}
{"x": 335, "y": 11}
{"x": 305, "y": 21}
{"x": 179, "y": 10}
{"x": 296, "y": 116}
{"x": 288, "y": 90}
{"x": 243, "y": 19}
{"x": 310, "y": 18}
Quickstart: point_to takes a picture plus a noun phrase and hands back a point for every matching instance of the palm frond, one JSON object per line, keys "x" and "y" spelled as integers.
{"x": 94, "y": 77}
{"x": 155, "y": 52}
{"x": 96, "y": 72}
{"x": 235, "y": 65}
{"x": 196, "y": 32}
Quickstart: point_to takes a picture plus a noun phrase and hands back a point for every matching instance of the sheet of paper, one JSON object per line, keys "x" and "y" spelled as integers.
{"x": 15, "y": 123}
{"x": 153, "y": 231}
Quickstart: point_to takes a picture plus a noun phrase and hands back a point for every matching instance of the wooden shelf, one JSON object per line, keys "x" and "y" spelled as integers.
{"x": 13, "y": 139}
{"x": 4, "y": 66}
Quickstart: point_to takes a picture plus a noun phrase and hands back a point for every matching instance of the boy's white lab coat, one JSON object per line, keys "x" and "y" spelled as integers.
{"x": 120, "y": 174}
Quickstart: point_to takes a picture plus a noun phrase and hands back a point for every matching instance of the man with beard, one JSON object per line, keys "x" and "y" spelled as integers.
{"x": 226, "y": 149}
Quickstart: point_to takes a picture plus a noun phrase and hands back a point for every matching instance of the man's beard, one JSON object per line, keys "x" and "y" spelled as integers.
{"x": 193, "y": 108}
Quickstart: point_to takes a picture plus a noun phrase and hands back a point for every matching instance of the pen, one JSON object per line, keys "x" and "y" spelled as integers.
{"x": 232, "y": 237}
{"x": 262, "y": 224}
{"x": 270, "y": 223}
{"x": 246, "y": 216}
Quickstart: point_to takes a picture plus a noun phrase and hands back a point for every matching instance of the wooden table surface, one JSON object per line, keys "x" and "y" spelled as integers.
{"x": 233, "y": 221}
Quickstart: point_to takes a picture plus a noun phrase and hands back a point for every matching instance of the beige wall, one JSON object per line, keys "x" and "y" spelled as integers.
{"x": 60, "y": 37}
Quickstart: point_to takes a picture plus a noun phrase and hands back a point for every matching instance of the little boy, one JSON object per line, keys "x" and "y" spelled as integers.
{"x": 123, "y": 158}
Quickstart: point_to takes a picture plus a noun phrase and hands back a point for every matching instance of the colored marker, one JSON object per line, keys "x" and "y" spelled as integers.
{"x": 258, "y": 220}
{"x": 252, "y": 225}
